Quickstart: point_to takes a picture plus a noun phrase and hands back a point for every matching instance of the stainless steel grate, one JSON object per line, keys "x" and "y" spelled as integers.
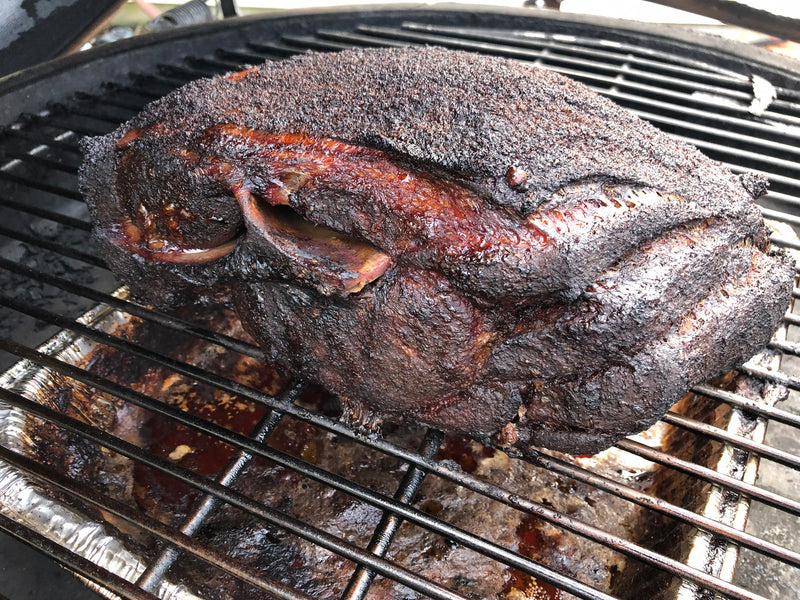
{"x": 52, "y": 274}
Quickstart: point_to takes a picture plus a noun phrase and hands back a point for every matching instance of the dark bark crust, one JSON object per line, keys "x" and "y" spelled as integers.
{"x": 454, "y": 239}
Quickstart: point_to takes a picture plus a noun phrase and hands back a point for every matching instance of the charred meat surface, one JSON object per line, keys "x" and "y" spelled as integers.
{"x": 457, "y": 240}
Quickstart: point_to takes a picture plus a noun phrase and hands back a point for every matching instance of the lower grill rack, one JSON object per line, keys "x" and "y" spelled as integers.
{"x": 296, "y": 425}
{"x": 159, "y": 455}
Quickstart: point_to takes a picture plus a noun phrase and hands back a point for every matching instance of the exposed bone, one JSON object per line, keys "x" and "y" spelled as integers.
{"x": 333, "y": 262}
{"x": 192, "y": 255}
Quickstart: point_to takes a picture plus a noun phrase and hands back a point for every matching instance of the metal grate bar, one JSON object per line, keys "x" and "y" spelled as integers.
{"x": 57, "y": 121}
{"x": 682, "y": 66}
{"x": 131, "y": 109}
{"x": 538, "y": 58}
{"x": 152, "y": 80}
{"x": 597, "y": 46}
{"x": 274, "y": 50}
{"x": 308, "y": 532}
{"x": 241, "y": 56}
{"x": 785, "y": 243}
{"x": 783, "y": 182}
{"x": 152, "y": 315}
{"x": 40, "y": 160}
{"x": 677, "y": 65}
{"x": 271, "y": 50}
{"x": 44, "y": 213}
{"x": 360, "y": 39}
{"x": 312, "y": 42}
{"x": 150, "y": 525}
{"x": 693, "y": 72}
{"x": 79, "y": 128}
{"x": 648, "y": 93}
{"x": 769, "y": 145}
{"x": 738, "y": 85}
{"x": 740, "y": 153}
{"x": 168, "y": 411}
{"x": 503, "y": 44}
{"x": 362, "y": 579}
{"x": 87, "y": 111}
{"x": 751, "y": 406}
{"x": 115, "y": 101}
{"x": 27, "y": 134}
{"x": 781, "y": 378}
{"x": 136, "y": 87}
{"x": 789, "y": 201}
{"x": 784, "y": 198}
{"x": 737, "y": 441}
{"x": 512, "y": 500}
{"x": 75, "y": 562}
{"x": 575, "y": 526}
{"x": 243, "y": 443}
{"x": 557, "y": 465}
{"x": 156, "y": 87}
{"x": 42, "y": 186}
{"x": 38, "y": 241}
{"x": 115, "y": 121}
{"x": 184, "y": 73}
{"x": 643, "y": 51}
{"x": 775, "y": 500}
{"x": 150, "y": 579}
{"x": 217, "y": 65}
{"x": 689, "y": 113}
{"x": 787, "y": 347}
{"x": 777, "y": 215}
{"x": 134, "y": 90}
{"x": 196, "y": 67}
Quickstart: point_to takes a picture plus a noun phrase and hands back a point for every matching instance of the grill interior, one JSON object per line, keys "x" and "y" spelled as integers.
{"x": 52, "y": 275}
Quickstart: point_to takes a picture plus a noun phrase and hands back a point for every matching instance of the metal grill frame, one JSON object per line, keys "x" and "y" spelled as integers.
{"x": 25, "y": 92}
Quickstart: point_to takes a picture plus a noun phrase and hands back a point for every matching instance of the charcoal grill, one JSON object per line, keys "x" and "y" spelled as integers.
{"x": 59, "y": 302}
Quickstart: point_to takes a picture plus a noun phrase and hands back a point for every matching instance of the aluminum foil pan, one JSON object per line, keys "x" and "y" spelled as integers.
{"x": 26, "y": 502}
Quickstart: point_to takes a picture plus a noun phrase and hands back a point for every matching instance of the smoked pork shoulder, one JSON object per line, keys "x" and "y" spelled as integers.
{"x": 444, "y": 238}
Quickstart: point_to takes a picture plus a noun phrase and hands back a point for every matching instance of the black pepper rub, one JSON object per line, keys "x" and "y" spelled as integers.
{"x": 459, "y": 240}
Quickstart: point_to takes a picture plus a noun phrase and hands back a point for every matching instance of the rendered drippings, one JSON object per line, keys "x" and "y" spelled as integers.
{"x": 534, "y": 544}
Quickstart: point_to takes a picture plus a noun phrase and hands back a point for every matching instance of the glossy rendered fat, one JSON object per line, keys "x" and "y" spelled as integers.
{"x": 459, "y": 240}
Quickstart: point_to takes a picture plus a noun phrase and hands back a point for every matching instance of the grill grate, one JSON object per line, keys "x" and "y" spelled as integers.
{"x": 58, "y": 275}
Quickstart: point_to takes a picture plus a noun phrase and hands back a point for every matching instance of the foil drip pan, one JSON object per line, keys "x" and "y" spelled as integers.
{"x": 112, "y": 545}
{"x": 28, "y": 503}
